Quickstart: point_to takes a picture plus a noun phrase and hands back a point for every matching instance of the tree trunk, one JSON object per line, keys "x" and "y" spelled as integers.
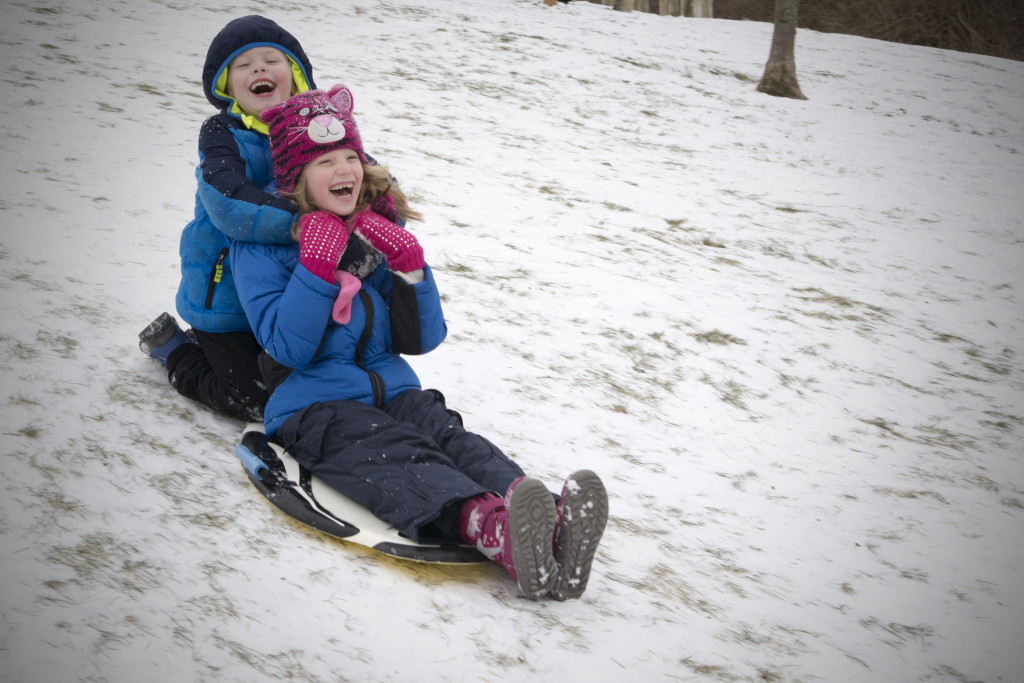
{"x": 780, "y": 73}
{"x": 624, "y": 5}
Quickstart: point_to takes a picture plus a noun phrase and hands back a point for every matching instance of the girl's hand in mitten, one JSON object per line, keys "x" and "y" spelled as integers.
{"x": 321, "y": 243}
{"x": 400, "y": 248}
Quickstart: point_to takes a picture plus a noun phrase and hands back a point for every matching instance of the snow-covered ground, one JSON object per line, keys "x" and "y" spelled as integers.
{"x": 787, "y": 334}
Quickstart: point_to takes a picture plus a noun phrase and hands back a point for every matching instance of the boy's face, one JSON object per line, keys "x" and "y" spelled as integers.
{"x": 259, "y": 79}
{"x": 334, "y": 180}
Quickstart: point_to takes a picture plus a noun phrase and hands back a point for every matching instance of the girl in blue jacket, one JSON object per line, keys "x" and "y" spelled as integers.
{"x": 251, "y": 65}
{"x": 333, "y": 312}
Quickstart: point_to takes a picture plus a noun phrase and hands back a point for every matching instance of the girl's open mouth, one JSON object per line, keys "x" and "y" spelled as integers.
{"x": 342, "y": 191}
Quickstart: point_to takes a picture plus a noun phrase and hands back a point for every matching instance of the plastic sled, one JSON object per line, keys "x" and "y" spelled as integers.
{"x": 302, "y": 496}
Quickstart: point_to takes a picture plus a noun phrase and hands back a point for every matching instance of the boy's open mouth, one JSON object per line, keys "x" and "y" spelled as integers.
{"x": 262, "y": 87}
{"x": 342, "y": 191}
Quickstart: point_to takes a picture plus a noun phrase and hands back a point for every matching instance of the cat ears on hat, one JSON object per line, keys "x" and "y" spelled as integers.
{"x": 339, "y": 96}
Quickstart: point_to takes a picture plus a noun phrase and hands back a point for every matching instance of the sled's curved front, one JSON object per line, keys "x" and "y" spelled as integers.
{"x": 299, "y": 494}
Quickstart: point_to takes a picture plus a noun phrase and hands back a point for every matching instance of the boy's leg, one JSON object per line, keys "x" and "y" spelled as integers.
{"x": 221, "y": 372}
{"x": 473, "y": 455}
{"x": 386, "y": 465}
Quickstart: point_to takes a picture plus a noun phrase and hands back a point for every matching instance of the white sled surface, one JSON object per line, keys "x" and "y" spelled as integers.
{"x": 309, "y": 500}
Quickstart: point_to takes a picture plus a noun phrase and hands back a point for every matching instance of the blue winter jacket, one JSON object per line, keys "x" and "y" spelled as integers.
{"x": 235, "y": 196}
{"x": 289, "y": 309}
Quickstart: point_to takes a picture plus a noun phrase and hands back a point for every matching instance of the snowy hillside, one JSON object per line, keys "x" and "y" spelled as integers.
{"x": 787, "y": 334}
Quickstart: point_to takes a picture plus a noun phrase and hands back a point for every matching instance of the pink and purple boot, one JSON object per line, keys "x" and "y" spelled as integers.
{"x": 580, "y": 520}
{"x": 516, "y": 533}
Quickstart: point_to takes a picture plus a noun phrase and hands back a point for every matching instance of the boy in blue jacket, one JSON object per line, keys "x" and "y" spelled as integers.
{"x": 251, "y": 65}
{"x": 335, "y": 311}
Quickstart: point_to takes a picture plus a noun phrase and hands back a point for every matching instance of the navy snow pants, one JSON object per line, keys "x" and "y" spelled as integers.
{"x": 411, "y": 463}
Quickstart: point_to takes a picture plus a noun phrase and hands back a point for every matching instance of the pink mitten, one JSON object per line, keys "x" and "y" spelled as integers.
{"x": 321, "y": 243}
{"x": 350, "y": 285}
{"x": 398, "y": 245}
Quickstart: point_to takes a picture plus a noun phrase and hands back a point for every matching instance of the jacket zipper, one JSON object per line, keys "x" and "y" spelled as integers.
{"x": 376, "y": 382}
{"x": 215, "y": 277}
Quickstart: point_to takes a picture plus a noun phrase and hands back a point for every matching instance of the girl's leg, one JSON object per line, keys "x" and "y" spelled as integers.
{"x": 516, "y": 533}
{"x": 386, "y": 465}
{"x": 472, "y": 454}
{"x": 397, "y": 471}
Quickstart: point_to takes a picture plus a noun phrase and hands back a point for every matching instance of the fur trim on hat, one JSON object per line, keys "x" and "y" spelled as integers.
{"x": 307, "y": 126}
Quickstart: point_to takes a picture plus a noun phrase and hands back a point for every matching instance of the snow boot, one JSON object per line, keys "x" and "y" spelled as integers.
{"x": 581, "y": 515}
{"x": 161, "y": 337}
{"x": 516, "y": 533}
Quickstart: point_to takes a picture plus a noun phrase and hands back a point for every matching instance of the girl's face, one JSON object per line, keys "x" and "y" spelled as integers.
{"x": 259, "y": 78}
{"x": 333, "y": 181}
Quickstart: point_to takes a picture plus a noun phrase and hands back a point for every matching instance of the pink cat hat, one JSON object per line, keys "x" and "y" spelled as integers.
{"x": 307, "y": 125}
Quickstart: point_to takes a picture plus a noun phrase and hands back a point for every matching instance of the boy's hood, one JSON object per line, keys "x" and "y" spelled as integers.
{"x": 238, "y": 36}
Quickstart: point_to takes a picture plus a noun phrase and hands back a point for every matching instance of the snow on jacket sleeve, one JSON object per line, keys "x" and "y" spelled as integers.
{"x": 233, "y": 178}
{"x": 288, "y": 307}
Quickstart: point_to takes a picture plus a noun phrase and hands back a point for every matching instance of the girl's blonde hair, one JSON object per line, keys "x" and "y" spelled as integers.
{"x": 377, "y": 182}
